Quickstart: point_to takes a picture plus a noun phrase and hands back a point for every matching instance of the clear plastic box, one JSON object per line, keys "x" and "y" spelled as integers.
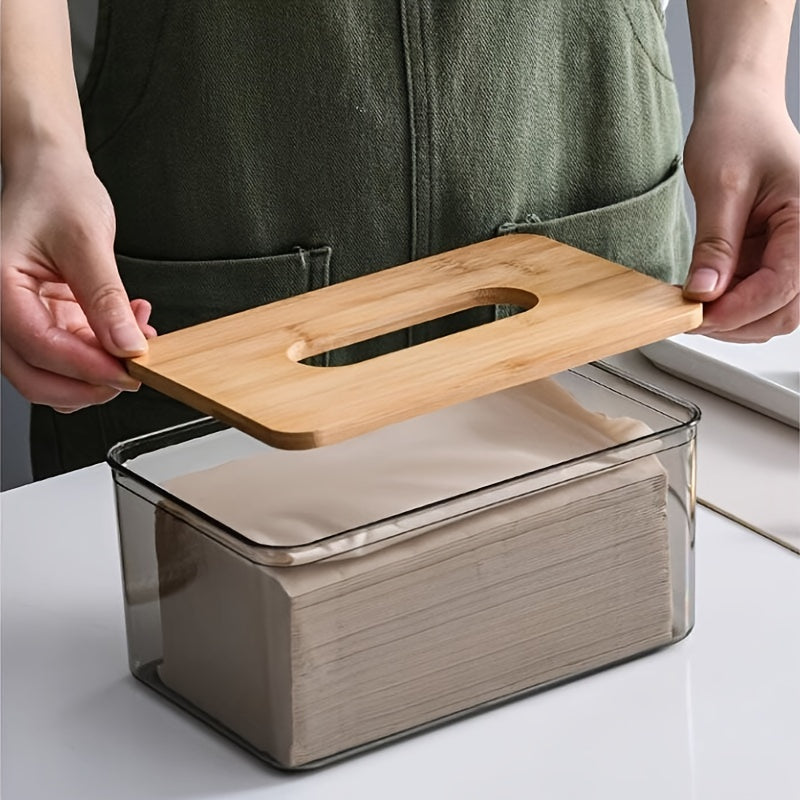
{"x": 310, "y": 637}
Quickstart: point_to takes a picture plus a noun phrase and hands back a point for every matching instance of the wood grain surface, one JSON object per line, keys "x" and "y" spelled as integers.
{"x": 244, "y": 368}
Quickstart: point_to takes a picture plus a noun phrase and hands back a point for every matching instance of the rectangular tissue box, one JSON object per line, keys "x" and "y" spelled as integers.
{"x": 311, "y": 603}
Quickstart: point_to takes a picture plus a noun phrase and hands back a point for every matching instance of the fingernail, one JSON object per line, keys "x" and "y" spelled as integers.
{"x": 128, "y": 338}
{"x": 130, "y": 385}
{"x": 702, "y": 281}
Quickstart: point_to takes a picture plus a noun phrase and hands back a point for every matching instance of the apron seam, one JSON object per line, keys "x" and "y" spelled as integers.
{"x": 429, "y": 94}
{"x": 143, "y": 92}
{"x": 411, "y": 97}
{"x": 99, "y": 55}
{"x": 644, "y": 49}
{"x": 420, "y": 125}
{"x": 419, "y": 122}
{"x": 411, "y": 100}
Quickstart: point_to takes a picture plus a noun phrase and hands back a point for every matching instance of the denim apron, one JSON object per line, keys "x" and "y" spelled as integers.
{"x": 255, "y": 150}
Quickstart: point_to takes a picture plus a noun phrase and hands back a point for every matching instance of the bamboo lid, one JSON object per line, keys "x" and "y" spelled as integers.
{"x": 244, "y": 370}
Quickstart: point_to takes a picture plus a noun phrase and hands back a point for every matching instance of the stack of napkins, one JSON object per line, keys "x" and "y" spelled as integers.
{"x": 307, "y": 660}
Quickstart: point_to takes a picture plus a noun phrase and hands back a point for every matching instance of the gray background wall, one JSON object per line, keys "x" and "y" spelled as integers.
{"x": 14, "y": 462}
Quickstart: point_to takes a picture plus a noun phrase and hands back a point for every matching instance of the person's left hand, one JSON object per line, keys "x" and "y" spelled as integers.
{"x": 742, "y": 161}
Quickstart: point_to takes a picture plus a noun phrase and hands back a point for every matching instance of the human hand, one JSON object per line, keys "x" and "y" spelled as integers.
{"x": 66, "y": 319}
{"x": 742, "y": 161}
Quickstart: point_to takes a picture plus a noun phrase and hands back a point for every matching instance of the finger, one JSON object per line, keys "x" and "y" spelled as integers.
{"x": 773, "y": 286}
{"x": 46, "y": 388}
{"x": 779, "y": 323}
{"x": 721, "y": 220}
{"x": 91, "y": 273}
{"x": 141, "y": 310}
{"x": 757, "y": 298}
{"x": 29, "y": 331}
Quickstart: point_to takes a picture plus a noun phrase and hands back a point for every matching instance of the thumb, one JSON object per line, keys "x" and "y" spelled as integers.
{"x": 721, "y": 220}
{"x": 94, "y": 279}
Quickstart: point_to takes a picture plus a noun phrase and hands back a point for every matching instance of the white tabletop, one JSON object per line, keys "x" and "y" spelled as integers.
{"x": 748, "y": 465}
{"x": 716, "y": 716}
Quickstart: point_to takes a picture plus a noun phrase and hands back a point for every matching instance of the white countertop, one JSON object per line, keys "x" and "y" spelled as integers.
{"x": 715, "y": 716}
{"x": 748, "y": 465}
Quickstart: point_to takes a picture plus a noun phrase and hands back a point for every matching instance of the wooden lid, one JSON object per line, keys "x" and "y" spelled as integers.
{"x": 244, "y": 368}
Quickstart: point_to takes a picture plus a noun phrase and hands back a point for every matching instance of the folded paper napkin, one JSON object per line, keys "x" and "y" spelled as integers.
{"x": 291, "y": 498}
{"x": 308, "y": 660}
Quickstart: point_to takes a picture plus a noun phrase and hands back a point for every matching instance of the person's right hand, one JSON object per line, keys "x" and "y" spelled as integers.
{"x": 66, "y": 319}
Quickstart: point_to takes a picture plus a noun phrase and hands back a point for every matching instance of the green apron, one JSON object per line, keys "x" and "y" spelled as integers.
{"x": 257, "y": 150}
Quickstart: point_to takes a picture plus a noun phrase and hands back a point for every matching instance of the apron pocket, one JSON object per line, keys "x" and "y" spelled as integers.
{"x": 649, "y": 232}
{"x": 185, "y": 293}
